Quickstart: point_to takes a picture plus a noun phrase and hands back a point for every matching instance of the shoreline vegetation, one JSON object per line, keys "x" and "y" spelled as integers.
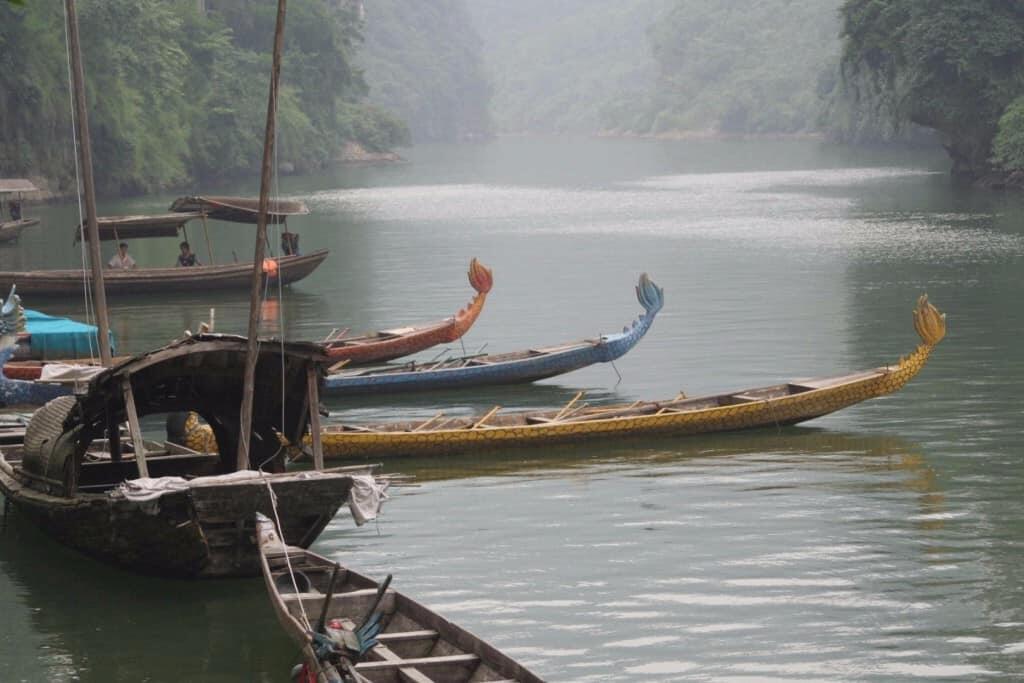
{"x": 175, "y": 94}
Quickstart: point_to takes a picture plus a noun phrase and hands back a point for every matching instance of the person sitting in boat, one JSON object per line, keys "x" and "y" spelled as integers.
{"x": 186, "y": 258}
{"x": 15, "y": 206}
{"x": 121, "y": 260}
{"x": 289, "y": 244}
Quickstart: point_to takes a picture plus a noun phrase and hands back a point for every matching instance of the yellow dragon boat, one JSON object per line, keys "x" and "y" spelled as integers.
{"x": 780, "y": 404}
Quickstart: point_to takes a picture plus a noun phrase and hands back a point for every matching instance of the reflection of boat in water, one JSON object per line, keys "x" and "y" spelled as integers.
{"x": 167, "y": 509}
{"x": 286, "y": 268}
{"x": 780, "y": 404}
{"x": 395, "y": 343}
{"x": 506, "y": 368}
{"x": 52, "y": 597}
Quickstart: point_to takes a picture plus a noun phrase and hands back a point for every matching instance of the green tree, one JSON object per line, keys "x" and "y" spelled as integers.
{"x": 950, "y": 65}
{"x": 1008, "y": 146}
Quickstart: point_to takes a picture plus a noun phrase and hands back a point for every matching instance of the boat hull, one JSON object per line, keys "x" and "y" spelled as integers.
{"x": 142, "y": 280}
{"x": 474, "y": 375}
{"x": 10, "y": 231}
{"x": 194, "y": 533}
{"x": 672, "y": 418}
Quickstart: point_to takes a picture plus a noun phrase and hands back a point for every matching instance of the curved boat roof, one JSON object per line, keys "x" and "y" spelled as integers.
{"x": 239, "y": 209}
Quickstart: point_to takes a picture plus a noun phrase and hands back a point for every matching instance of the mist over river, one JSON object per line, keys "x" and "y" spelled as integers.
{"x": 881, "y": 543}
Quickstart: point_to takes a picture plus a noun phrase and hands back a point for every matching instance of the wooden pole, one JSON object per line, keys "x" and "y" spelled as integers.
{"x": 255, "y": 289}
{"x": 313, "y": 389}
{"x": 99, "y": 294}
{"x": 134, "y": 428}
{"x": 206, "y": 232}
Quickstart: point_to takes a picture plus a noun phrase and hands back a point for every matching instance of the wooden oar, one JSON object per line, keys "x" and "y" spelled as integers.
{"x": 486, "y": 417}
{"x": 421, "y": 426}
{"x": 338, "y": 366}
{"x": 563, "y": 411}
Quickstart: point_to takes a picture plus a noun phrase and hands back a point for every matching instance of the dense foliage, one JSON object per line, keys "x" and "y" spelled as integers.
{"x": 178, "y": 95}
{"x": 739, "y": 67}
{"x": 1008, "y": 146}
{"x": 557, "y": 64}
{"x": 954, "y": 66}
{"x": 423, "y": 60}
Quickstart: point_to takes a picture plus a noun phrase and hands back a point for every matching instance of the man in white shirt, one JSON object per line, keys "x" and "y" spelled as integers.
{"x": 121, "y": 259}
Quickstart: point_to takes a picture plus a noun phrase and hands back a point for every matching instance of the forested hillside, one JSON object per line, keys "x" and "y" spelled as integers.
{"x": 178, "y": 95}
{"x": 956, "y": 67}
{"x": 423, "y": 61}
{"x": 739, "y": 67}
{"x": 558, "y": 65}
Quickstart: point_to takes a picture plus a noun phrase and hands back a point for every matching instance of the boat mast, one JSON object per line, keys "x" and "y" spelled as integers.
{"x": 255, "y": 289}
{"x": 99, "y": 294}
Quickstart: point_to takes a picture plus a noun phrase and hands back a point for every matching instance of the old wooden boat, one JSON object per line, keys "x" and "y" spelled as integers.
{"x": 780, "y": 404}
{"x": 171, "y": 510}
{"x": 283, "y": 268}
{"x": 11, "y": 229}
{"x": 239, "y": 209}
{"x": 395, "y": 343}
{"x": 286, "y": 269}
{"x": 332, "y": 612}
{"x": 506, "y": 368}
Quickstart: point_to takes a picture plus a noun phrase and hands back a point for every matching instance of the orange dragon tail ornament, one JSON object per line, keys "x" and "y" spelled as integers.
{"x": 481, "y": 279}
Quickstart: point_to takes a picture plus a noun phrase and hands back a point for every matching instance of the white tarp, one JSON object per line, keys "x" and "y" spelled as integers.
{"x": 66, "y": 372}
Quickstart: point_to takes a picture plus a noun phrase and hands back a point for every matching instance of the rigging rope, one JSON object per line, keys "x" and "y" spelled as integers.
{"x": 287, "y": 555}
{"x": 89, "y": 315}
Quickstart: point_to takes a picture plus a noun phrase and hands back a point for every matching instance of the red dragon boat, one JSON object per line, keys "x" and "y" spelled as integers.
{"x": 389, "y": 344}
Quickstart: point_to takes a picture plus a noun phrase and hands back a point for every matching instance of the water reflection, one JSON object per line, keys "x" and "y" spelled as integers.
{"x": 91, "y": 622}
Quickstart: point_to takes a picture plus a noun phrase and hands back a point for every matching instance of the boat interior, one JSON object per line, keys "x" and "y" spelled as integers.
{"x": 415, "y": 644}
{"x": 466, "y": 361}
{"x": 582, "y": 412}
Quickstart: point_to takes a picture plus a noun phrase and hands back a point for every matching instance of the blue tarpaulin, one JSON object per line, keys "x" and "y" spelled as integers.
{"x": 52, "y": 338}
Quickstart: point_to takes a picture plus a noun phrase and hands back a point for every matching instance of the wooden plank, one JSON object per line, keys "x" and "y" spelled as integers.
{"x": 312, "y": 380}
{"x": 138, "y": 445}
{"x": 406, "y": 636}
{"x": 485, "y": 418}
{"x": 568, "y": 405}
{"x": 418, "y": 663}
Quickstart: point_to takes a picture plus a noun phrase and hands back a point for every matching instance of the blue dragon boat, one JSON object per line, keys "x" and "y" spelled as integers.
{"x": 16, "y": 393}
{"x": 507, "y": 368}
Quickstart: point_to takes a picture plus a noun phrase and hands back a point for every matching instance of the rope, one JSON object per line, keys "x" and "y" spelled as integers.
{"x": 287, "y": 555}
{"x": 78, "y": 188}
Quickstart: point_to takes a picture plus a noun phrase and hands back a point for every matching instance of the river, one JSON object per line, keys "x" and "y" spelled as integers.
{"x": 881, "y": 543}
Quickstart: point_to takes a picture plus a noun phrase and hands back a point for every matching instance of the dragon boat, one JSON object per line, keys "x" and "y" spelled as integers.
{"x": 352, "y": 629}
{"x": 506, "y": 368}
{"x": 389, "y": 344}
{"x": 780, "y": 404}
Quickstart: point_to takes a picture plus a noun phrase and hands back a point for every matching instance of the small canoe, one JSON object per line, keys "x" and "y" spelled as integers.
{"x": 402, "y": 639}
{"x": 389, "y": 344}
{"x": 779, "y": 404}
{"x": 143, "y": 280}
{"x": 507, "y": 368}
{"x": 10, "y": 231}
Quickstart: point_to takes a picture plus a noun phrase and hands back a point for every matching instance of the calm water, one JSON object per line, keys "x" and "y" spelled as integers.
{"x": 882, "y": 543}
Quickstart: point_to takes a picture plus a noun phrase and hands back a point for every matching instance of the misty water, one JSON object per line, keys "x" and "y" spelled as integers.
{"x": 882, "y": 543}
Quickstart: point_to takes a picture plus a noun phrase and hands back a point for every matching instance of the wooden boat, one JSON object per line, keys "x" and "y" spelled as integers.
{"x": 11, "y": 230}
{"x": 287, "y": 269}
{"x": 390, "y": 344}
{"x": 284, "y": 268}
{"x": 780, "y": 404}
{"x": 175, "y": 511}
{"x": 322, "y": 605}
{"x": 239, "y": 209}
{"x": 507, "y": 368}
